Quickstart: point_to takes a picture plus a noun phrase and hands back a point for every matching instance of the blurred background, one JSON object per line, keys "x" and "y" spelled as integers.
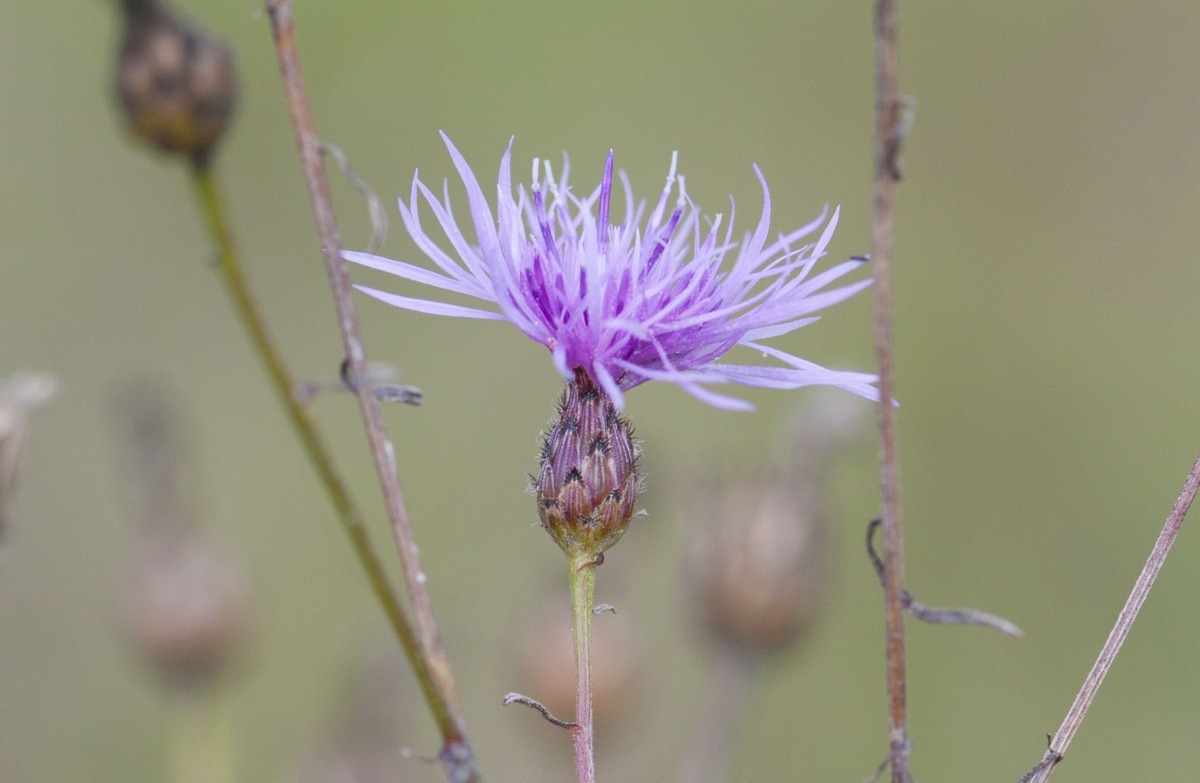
{"x": 1047, "y": 321}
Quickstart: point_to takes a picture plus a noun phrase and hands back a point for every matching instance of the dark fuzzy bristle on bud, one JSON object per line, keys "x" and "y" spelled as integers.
{"x": 175, "y": 82}
{"x": 587, "y": 480}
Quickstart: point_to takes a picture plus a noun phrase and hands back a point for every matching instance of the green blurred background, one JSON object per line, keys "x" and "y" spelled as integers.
{"x": 1046, "y": 305}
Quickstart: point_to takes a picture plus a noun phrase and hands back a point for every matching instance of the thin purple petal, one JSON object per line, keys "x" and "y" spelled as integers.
{"x": 645, "y": 298}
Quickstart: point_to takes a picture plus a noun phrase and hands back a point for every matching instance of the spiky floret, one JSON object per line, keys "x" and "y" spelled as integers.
{"x": 648, "y": 298}
{"x": 587, "y": 478}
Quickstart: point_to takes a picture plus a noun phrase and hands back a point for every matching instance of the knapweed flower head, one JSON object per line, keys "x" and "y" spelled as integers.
{"x": 650, "y": 297}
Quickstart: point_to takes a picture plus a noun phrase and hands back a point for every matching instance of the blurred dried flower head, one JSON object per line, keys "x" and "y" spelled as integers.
{"x": 20, "y": 396}
{"x": 758, "y": 563}
{"x": 186, "y": 603}
{"x": 547, "y": 660}
{"x": 175, "y": 82}
{"x": 758, "y": 559}
{"x": 186, "y": 608}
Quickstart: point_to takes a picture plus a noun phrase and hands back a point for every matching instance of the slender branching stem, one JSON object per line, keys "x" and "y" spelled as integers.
{"x": 230, "y": 268}
{"x": 888, "y": 131}
{"x": 583, "y": 596}
{"x": 1116, "y": 637}
{"x": 456, "y": 754}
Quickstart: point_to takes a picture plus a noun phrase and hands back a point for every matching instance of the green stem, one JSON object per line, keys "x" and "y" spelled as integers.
{"x": 201, "y": 750}
{"x": 348, "y": 515}
{"x": 583, "y": 597}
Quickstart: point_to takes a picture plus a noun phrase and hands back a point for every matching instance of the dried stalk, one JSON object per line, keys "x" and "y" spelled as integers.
{"x": 1116, "y": 637}
{"x": 433, "y": 666}
{"x": 889, "y": 127}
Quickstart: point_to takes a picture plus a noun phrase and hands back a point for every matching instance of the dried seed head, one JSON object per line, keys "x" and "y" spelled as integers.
{"x": 186, "y": 608}
{"x": 759, "y": 544}
{"x": 175, "y": 82}
{"x": 186, "y": 603}
{"x": 587, "y": 480}
{"x": 758, "y": 559}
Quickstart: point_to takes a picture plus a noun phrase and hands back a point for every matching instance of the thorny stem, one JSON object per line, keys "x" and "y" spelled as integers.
{"x": 583, "y": 595}
{"x": 229, "y": 265}
{"x": 1116, "y": 637}
{"x": 888, "y": 132}
{"x": 429, "y": 659}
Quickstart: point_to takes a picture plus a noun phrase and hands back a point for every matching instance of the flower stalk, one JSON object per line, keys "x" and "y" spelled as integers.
{"x": 430, "y": 660}
{"x": 1116, "y": 638}
{"x": 177, "y": 91}
{"x": 230, "y": 268}
{"x": 586, "y": 489}
{"x": 582, "y": 577}
{"x": 889, "y": 133}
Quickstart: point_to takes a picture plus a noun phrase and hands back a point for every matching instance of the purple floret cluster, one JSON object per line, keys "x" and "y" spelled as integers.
{"x": 651, "y": 297}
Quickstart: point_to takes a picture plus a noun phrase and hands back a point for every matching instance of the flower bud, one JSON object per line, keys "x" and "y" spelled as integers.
{"x": 587, "y": 481}
{"x": 175, "y": 82}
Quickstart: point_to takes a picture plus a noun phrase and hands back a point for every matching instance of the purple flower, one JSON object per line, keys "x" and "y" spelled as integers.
{"x": 642, "y": 299}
